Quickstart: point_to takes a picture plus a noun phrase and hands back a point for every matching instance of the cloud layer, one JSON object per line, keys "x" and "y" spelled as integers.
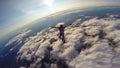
{"x": 18, "y": 39}
{"x": 93, "y": 43}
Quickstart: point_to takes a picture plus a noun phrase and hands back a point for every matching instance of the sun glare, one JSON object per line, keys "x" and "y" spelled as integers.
{"x": 48, "y": 2}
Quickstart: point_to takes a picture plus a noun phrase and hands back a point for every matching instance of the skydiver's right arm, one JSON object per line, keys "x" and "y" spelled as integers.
{"x": 54, "y": 27}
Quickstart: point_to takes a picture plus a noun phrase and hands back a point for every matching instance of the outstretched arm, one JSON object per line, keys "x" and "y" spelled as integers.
{"x": 53, "y": 27}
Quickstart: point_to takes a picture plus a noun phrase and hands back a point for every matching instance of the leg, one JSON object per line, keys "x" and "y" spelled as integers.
{"x": 60, "y": 36}
{"x": 63, "y": 38}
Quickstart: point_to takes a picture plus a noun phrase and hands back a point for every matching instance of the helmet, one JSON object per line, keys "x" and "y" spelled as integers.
{"x": 60, "y": 24}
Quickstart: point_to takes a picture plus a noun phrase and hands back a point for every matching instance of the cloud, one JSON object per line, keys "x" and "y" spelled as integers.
{"x": 18, "y": 39}
{"x": 93, "y": 43}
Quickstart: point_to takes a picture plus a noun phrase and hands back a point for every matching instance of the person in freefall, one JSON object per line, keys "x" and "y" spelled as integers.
{"x": 61, "y": 29}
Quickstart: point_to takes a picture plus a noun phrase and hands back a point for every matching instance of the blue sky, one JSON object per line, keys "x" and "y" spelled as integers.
{"x": 21, "y": 12}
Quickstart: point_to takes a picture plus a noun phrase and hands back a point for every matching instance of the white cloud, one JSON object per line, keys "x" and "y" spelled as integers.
{"x": 18, "y": 39}
{"x": 96, "y": 51}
